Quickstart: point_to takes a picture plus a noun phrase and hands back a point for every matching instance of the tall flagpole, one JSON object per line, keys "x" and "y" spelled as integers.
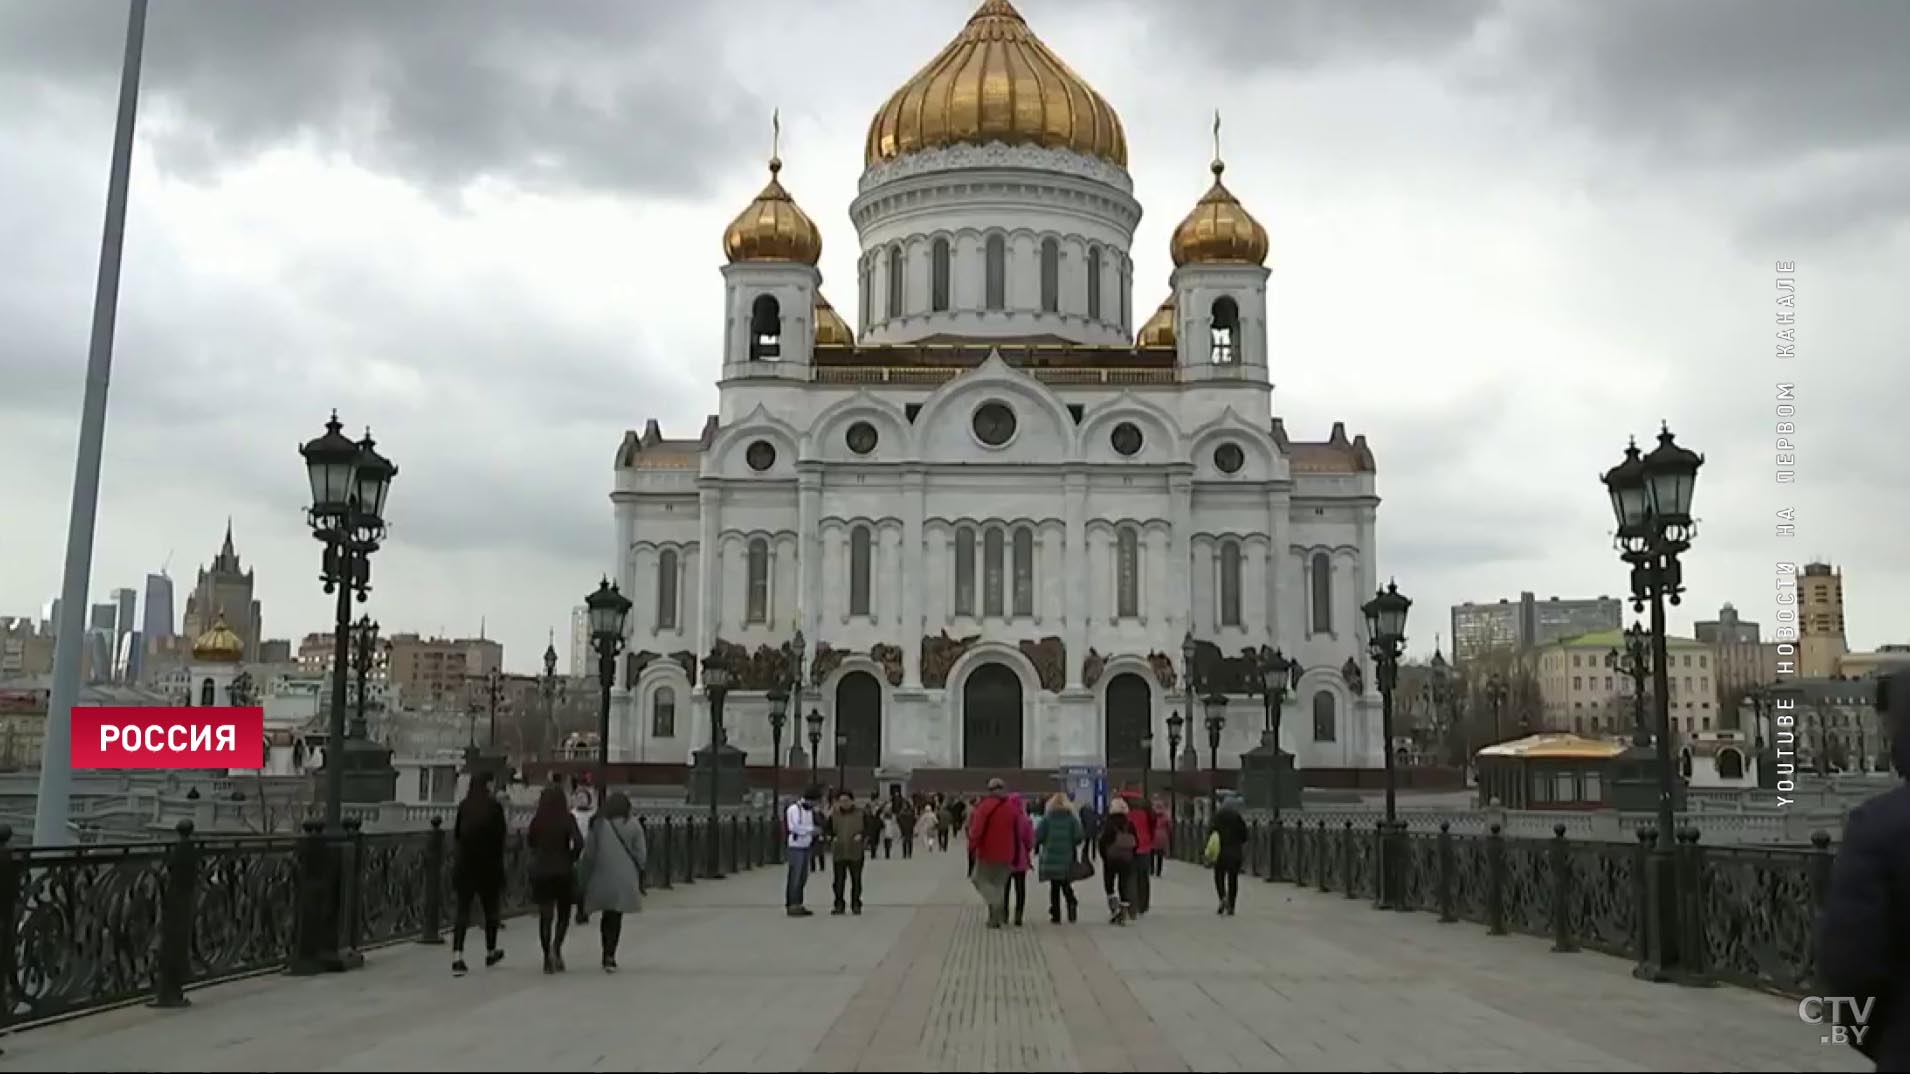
{"x": 56, "y": 763}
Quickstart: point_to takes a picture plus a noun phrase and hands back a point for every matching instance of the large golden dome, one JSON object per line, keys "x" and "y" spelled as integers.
{"x": 1159, "y": 329}
{"x": 218, "y": 645}
{"x": 831, "y": 329}
{"x": 996, "y": 82}
{"x": 772, "y": 228}
{"x": 1219, "y": 229}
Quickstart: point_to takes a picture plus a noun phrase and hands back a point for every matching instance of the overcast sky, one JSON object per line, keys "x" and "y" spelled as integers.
{"x": 1504, "y": 237}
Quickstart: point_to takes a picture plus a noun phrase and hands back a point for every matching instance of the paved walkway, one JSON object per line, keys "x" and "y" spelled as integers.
{"x": 716, "y": 978}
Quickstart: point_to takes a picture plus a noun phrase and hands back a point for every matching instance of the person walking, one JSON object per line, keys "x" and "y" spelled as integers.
{"x": 871, "y": 826}
{"x": 554, "y": 844}
{"x": 1057, "y": 837}
{"x": 904, "y": 813}
{"x": 891, "y": 834}
{"x": 477, "y": 868}
{"x": 1090, "y": 830}
{"x": 1863, "y": 935}
{"x": 927, "y": 826}
{"x": 799, "y": 822}
{"x": 1116, "y": 845}
{"x": 1163, "y": 835}
{"x": 1230, "y": 853}
{"x": 1017, "y": 888}
{"x": 993, "y": 833}
{"x": 615, "y": 853}
{"x": 849, "y": 829}
{"x": 944, "y": 823}
{"x": 1141, "y": 816}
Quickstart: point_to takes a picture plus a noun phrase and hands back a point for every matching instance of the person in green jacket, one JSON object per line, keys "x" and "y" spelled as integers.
{"x": 1058, "y": 838}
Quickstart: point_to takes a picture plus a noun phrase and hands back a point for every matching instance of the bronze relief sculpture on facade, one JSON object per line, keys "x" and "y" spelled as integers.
{"x": 939, "y": 655}
{"x": 1163, "y": 666}
{"x": 890, "y": 657}
{"x": 1050, "y": 658}
{"x": 1355, "y": 681}
{"x": 827, "y": 661}
{"x": 1092, "y": 666}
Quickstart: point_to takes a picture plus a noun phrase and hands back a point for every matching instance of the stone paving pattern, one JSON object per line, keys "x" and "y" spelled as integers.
{"x": 715, "y": 977}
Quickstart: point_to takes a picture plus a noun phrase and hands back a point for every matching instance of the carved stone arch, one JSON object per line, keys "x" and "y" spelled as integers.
{"x": 724, "y": 456}
{"x": 895, "y": 437}
{"x": 1157, "y": 701}
{"x": 985, "y": 654}
{"x": 1160, "y": 433}
{"x": 858, "y": 724}
{"x": 949, "y": 404}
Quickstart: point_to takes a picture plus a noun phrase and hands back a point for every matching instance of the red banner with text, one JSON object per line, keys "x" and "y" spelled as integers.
{"x": 106, "y": 736}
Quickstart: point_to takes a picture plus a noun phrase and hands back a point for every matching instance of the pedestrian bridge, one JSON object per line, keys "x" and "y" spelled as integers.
{"x": 715, "y": 977}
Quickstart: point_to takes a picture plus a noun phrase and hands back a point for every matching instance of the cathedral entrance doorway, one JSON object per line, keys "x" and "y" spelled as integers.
{"x": 991, "y": 718}
{"x": 859, "y": 718}
{"x": 1129, "y": 711}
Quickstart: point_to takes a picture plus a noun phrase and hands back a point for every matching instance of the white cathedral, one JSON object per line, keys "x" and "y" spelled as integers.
{"x": 996, "y": 511}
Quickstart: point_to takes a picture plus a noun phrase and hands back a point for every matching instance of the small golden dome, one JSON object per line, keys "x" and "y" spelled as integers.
{"x": 996, "y": 82}
{"x": 218, "y": 645}
{"x": 772, "y": 228}
{"x": 831, "y": 329}
{"x": 1159, "y": 329}
{"x": 1219, "y": 229}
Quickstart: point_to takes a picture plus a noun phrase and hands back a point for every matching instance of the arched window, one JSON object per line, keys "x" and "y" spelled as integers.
{"x": 1322, "y": 593}
{"x": 765, "y": 329}
{"x": 995, "y": 268}
{"x": 758, "y": 590}
{"x": 666, "y": 589}
{"x": 1024, "y": 571}
{"x": 863, "y": 312}
{"x": 1120, "y": 288}
{"x": 1050, "y": 275}
{"x": 965, "y": 571}
{"x": 895, "y": 281}
{"x": 1094, "y": 282}
{"x": 1226, "y": 331}
{"x": 1127, "y": 573}
{"x": 938, "y": 276}
{"x": 1323, "y": 719}
{"x": 207, "y": 694}
{"x": 1230, "y": 584}
{"x": 859, "y": 571}
{"x": 992, "y": 572}
{"x": 663, "y": 713}
{"x": 1730, "y": 764}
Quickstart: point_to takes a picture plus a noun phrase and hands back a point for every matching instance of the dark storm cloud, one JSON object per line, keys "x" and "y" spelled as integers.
{"x": 591, "y": 94}
{"x": 1246, "y": 35}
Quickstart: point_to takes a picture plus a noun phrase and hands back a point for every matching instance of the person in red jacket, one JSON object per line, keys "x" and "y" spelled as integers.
{"x": 994, "y": 834}
{"x": 1141, "y": 813}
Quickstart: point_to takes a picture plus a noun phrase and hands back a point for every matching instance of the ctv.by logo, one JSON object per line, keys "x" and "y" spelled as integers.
{"x": 1845, "y": 1017}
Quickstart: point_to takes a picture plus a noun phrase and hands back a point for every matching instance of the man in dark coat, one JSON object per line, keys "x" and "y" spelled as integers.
{"x": 1863, "y": 937}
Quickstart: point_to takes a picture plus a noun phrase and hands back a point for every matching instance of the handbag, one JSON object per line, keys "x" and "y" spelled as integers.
{"x": 1121, "y": 848}
{"x": 1212, "y": 850}
{"x": 1081, "y": 870}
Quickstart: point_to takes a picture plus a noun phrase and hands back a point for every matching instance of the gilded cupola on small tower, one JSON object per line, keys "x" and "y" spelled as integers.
{"x": 773, "y": 227}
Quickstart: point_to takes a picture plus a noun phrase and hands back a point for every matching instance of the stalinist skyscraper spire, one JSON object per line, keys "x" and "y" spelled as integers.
{"x": 224, "y": 589}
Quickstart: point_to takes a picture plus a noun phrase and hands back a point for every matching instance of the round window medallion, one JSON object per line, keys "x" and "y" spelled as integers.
{"x": 760, "y": 456}
{"x": 1229, "y": 458}
{"x": 994, "y": 424}
{"x": 1126, "y": 438}
{"x": 861, "y": 437}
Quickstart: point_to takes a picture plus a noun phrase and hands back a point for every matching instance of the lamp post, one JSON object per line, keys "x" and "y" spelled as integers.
{"x": 365, "y": 639}
{"x": 1216, "y": 703}
{"x": 1174, "y": 722}
{"x": 1496, "y": 691}
{"x": 1386, "y": 640}
{"x": 779, "y": 696}
{"x": 716, "y": 686}
{"x": 814, "y": 719}
{"x": 1188, "y": 651}
{"x": 349, "y": 482}
{"x": 549, "y": 689}
{"x": 1635, "y": 661}
{"x": 1278, "y": 676}
{"x": 1651, "y": 502}
{"x": 842, "y": 745}
{"x": 607, "y": 609}
{"x": 1147, "y": 758}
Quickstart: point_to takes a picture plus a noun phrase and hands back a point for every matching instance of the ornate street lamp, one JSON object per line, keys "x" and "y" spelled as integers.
{"x": 365, "y": 641}
{"x": 814, "y": 719}
{"x": 1635, "y": 661}
{"x": 1496, "y": 691}
{"x": 1188, "y": 652}
{"x": 549, "y": 690}
{"x": 1174, "y": 722}
{"x": 1386, "y": 640}
{"x": 1216, "y": 703}
{"x": 349, "y": 482}
{"x": 607, "y": 609}
{"x": 1651, "y": 503}
{"x": 779, "y": 696}
{"x": 1278, "y": 676}
{"x": 716, "y": 686}
{"x": 1147, "y": 758}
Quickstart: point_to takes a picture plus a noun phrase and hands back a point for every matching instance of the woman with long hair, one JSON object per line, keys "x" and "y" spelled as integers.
{"x": 614, "y": 857}
{"x": 1118, "y": 845}
{"x": 1056, "y": 838}
{"x": 554, "y": 844}
{"x": 477, "y": 868}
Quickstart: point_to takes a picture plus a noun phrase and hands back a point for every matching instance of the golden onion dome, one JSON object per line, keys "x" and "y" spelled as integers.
{"x": 772, "y": 228}
{"x": 1219, "y": 230}
{"x": 218, "y": 645}
{"x": 831, "y": 329}
{"x": 996, "y": 82}
{"x": 1159, "y": 329}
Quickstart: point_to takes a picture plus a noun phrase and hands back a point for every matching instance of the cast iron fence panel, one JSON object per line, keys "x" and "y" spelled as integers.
{"x": 1528, "y": 886}
{"x": 1364, "y": 878}
{"x": 1419, "y": 887}
{"x": 1469, "y": 879}
{"x": 390, "y": 880}
{"x": 1758, "y": 911}
{"x": 86, "y": 924}
{"x": 245, "y": 908}
{"x": 1604, "y": 901}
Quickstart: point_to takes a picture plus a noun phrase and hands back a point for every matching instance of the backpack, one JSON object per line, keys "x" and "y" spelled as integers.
{"x": 1121, "y": 847}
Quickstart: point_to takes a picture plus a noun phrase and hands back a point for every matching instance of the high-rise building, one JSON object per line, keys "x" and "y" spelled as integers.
{"x": 50, "y": 618}
{"x": 275, "y": 651}
{"x": 125, "y": 624}
{"x": 1820, "y": 621}
{"x": 1726, "y": 629}
{"x": 579, "y": 642}
{"x": 224, "y": 590}
{"x": 96, "y": 658}
{"x": 129, "y": 660}
{"x": 1478, "y": 629}
{"x": 437, "y": 672}
{"x": 105, "y": 615}
{"x": 158, "y": 621}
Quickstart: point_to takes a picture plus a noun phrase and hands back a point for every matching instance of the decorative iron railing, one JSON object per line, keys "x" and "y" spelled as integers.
{"x": 94, "y": 926}
{"x": 1742, "y": 915}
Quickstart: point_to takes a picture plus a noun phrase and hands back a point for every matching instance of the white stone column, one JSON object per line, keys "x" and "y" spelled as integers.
{"x": 709, "y": 612}
{"x": 1075, "y": 617}
{"x": 914, "y": 577}
{"x": 1278, "y": 522}
{"x": 809, "y": 556}
{"x": 1180, "y": 496}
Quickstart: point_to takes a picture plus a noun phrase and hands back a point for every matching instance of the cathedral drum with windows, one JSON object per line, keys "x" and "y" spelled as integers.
{"x": 996, "y": 510}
